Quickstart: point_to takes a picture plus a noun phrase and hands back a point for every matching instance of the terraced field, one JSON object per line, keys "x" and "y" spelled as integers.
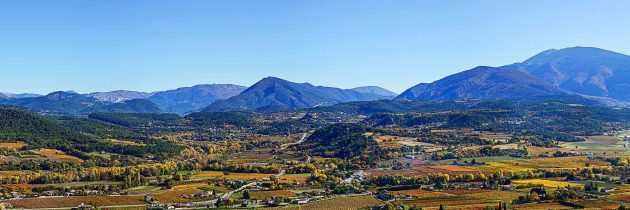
{"x": 521, "y": 165}
{"x": 546, "y": 183}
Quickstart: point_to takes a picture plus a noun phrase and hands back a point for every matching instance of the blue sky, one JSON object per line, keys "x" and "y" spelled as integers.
{"x": 101, "y": 45}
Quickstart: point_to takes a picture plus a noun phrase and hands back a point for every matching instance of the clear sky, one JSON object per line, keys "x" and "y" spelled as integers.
{"x": 101, "y": 45}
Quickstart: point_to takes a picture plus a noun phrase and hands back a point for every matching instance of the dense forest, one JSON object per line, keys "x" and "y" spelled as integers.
{"x": 342, "y": 140}
{"x": 76, "y": 136}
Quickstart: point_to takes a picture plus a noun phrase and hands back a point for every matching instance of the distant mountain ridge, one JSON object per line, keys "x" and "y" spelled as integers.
{"x": 578, "y": 72}
{"x": 69, "y": 103}
{"x": 583, "y": 70}
{"x": 189, "y": 99}
{"x": 485, "y": 83}
{"x": 376, "y": 91}
{"x": 587, "y": 72}
{"x": 119, "y": 95}
{"x": 276, "y": 92}
{"x": 19, "y": 95}
{"x": 181, "y": 101}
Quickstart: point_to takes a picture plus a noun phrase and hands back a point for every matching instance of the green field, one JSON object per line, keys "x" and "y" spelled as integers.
{"x": 598, "y": 145}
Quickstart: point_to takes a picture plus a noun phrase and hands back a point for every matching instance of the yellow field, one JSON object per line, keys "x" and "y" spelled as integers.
{"x": 536, "y": 151}
{"x": 12, "y": 173}
{"x": 12, "y": 145}
{"x": 539, "y": 163}
{"x": 125, "y": 142}
{"x": 229, "y": 176}
{"x": 294, "y": 178}
{"x": 437, "y": 149}
{"x": 57, "y": 155}
{"x": 546, "y": 183}
{"x": 565, "y": 162}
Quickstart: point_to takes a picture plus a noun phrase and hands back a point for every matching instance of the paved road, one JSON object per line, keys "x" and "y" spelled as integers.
{"x": 229, "y": 194}
{"x": 287, "y": 145}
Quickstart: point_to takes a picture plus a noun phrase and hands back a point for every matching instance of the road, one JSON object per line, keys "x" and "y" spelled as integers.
{"x": 287, "y": 145}
{"x": 229, "y": 194}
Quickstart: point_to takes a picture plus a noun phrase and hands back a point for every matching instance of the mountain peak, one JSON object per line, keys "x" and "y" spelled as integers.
{"x": 375, "y": 90}
{"x": 58, "y": 95}
{"x": 188, "y": 99}
{"x": 273, "y": 91}
{"x": 18, "y": 95}
{"x": 583, "y": 70}
{"x": 572, "y": 53}
{"x": 271, "y": 80}
{"x": 118, "y": 95}
{"x": 482, "y": 82}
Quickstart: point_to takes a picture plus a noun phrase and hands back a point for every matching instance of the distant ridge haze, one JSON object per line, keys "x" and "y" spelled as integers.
{"x": 587, "y": 72}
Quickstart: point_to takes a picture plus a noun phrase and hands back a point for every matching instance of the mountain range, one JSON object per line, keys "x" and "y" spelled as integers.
{"x": 189, "y": 99}
{"x": 119, "y": 95}
{"x": 589, "y": 72}
{"x": 582, "y": 70}
{"x": 186, "y": 99}
{"x": 69, "y": 103}
{"x": 379, "y": 91}
{"x": 276, "y": 92}
{"x": 577, "y": 72}
{"x": 485, "y": 83}
{"x": 19, "y": 95}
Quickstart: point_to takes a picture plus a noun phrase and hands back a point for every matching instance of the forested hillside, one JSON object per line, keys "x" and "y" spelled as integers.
{"x": 74, "y": 137}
